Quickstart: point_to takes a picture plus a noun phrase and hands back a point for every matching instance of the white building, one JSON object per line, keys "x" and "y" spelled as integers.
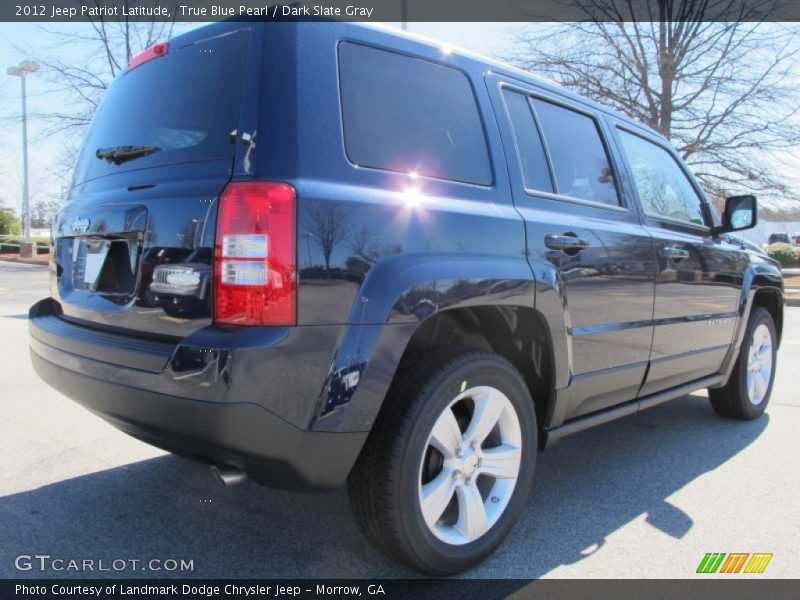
{"x": 763, "y": 229}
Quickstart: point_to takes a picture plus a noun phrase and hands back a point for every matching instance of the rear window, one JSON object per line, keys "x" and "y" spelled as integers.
{"x": 530, "y": 148}
{"x": 185, "y": 103}
{"x": 410, "y": 115}
{"x": 579, "y": 159}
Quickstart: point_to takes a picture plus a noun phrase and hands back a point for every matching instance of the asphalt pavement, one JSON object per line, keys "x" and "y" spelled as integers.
{"x": 643, "y": 497}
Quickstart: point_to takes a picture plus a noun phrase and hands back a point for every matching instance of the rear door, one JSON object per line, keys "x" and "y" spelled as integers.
{"x": 159, "y": 151}
{"x": 578, "y": 220}
{"x": 699, "y": 276}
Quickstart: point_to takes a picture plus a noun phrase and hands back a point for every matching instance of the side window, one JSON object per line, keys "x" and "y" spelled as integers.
{"x": 410, "y": 115}
{"x": 663, "y": 187}
{"x": 531, "y": 152}
{"x": 579, "y": 159}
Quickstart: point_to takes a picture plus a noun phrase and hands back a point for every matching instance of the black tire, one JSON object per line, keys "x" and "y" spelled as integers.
{"x": 733, "y": 400}
{"x": 383, "y": 486}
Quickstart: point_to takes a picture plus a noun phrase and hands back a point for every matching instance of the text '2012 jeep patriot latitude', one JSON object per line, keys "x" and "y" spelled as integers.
{"x": 318, "y": 253}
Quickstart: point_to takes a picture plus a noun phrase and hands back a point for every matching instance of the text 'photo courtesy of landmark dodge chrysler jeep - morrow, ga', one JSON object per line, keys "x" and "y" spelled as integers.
{"x": 318, "y": 254}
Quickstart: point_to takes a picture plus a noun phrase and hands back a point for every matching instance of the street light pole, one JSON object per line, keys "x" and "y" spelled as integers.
{"x": 308, "y": 235}
{"x": 25, "y": 67}
{"x": 26, "y": 208}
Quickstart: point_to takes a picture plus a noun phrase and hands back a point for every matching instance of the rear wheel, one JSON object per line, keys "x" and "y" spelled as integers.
{"x": 747, "y": 392}
{"x": 448, "y": 466}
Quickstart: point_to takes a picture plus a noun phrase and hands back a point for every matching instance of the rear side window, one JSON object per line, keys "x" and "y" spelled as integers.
{"x": 664, "y": 190}
{"x": 579, "y": 159}
{"x": 185, "y": 104}
{"x": 529, "y": 143}
{"x": 410, "y": 115}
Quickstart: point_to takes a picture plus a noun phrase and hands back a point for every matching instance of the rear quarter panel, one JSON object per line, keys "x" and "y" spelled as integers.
{"x": 401, "y": 249}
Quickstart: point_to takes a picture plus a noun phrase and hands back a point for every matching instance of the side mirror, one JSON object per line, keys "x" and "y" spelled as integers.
{"x": 741, "y": 212}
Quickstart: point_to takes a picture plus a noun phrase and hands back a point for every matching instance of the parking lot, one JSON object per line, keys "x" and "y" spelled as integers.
{"x": 643, "y": 497}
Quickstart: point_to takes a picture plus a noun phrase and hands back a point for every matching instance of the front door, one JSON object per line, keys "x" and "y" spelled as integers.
{"x": 699, "y": 276}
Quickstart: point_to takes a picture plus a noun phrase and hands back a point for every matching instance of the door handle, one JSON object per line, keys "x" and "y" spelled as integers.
{"x": 672, "y": 253}
{"x": 565, "y": 242}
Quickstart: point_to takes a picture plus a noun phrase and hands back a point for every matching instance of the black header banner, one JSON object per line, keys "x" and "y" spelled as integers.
{"x": 401, "y": 10}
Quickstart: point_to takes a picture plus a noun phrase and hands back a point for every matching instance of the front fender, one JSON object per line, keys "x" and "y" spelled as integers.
{"x": 757, "y": 276}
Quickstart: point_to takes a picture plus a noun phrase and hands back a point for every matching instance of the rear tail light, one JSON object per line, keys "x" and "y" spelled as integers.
{"x": 154, "y": 51}
{"x": 254, "y": 255}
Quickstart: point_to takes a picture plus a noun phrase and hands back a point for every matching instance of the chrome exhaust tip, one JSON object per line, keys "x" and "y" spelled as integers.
{"x": 228, "y": 475}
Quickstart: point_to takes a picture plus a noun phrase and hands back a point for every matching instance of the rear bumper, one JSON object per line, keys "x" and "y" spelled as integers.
{"x": 233, "y": 431}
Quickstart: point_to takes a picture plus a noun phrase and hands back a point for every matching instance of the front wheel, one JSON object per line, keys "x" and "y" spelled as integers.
{"x": 747, "y": 392}
{"x": 449, "y": 464}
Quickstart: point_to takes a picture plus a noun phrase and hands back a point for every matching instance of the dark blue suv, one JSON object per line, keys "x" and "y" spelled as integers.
{"x": 318, "y": 253}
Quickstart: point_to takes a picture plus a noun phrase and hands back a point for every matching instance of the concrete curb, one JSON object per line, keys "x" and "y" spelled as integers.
{"x": 25, "y": 261}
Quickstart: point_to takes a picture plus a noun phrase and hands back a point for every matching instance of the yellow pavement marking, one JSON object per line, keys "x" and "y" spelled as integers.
{"x": 173, "y": 319}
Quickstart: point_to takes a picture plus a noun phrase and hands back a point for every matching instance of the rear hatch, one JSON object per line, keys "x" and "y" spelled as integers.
{"x": 159, "y": 151}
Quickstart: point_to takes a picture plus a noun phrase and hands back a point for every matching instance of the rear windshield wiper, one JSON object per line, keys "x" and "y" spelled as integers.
{"x": 121, "y": 154}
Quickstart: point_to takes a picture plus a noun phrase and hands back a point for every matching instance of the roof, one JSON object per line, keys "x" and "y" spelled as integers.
{"x": 492, "y": 65}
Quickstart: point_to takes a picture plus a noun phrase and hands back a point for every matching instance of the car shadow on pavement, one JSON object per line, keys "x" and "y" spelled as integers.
{"x": 593, "y": 483}
{"x": 586, "y": 488}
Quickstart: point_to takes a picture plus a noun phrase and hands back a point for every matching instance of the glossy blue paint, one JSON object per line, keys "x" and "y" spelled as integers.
{"x": 382, "y": 255}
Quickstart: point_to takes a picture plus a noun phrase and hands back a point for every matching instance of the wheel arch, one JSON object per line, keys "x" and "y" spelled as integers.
{"x": 771, "y": 298}
{"x": 475, "y": 301}
{"x": 762, "y": 285}
{"x": 517, "y": 333}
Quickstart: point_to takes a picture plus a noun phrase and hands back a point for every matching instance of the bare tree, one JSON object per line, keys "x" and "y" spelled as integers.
{"x": 188, "y": 233}
{"x": 328, "y": 223}
{"x": 76, "y": 86}
{"x": 723, "y": 92}
{"x": 363, "y": 245}
{"x": 106, "y": 46}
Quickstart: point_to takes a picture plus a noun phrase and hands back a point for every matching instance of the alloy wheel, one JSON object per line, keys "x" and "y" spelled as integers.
{"x": 470, "y": 465}
{"x": 759, "y": 364}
